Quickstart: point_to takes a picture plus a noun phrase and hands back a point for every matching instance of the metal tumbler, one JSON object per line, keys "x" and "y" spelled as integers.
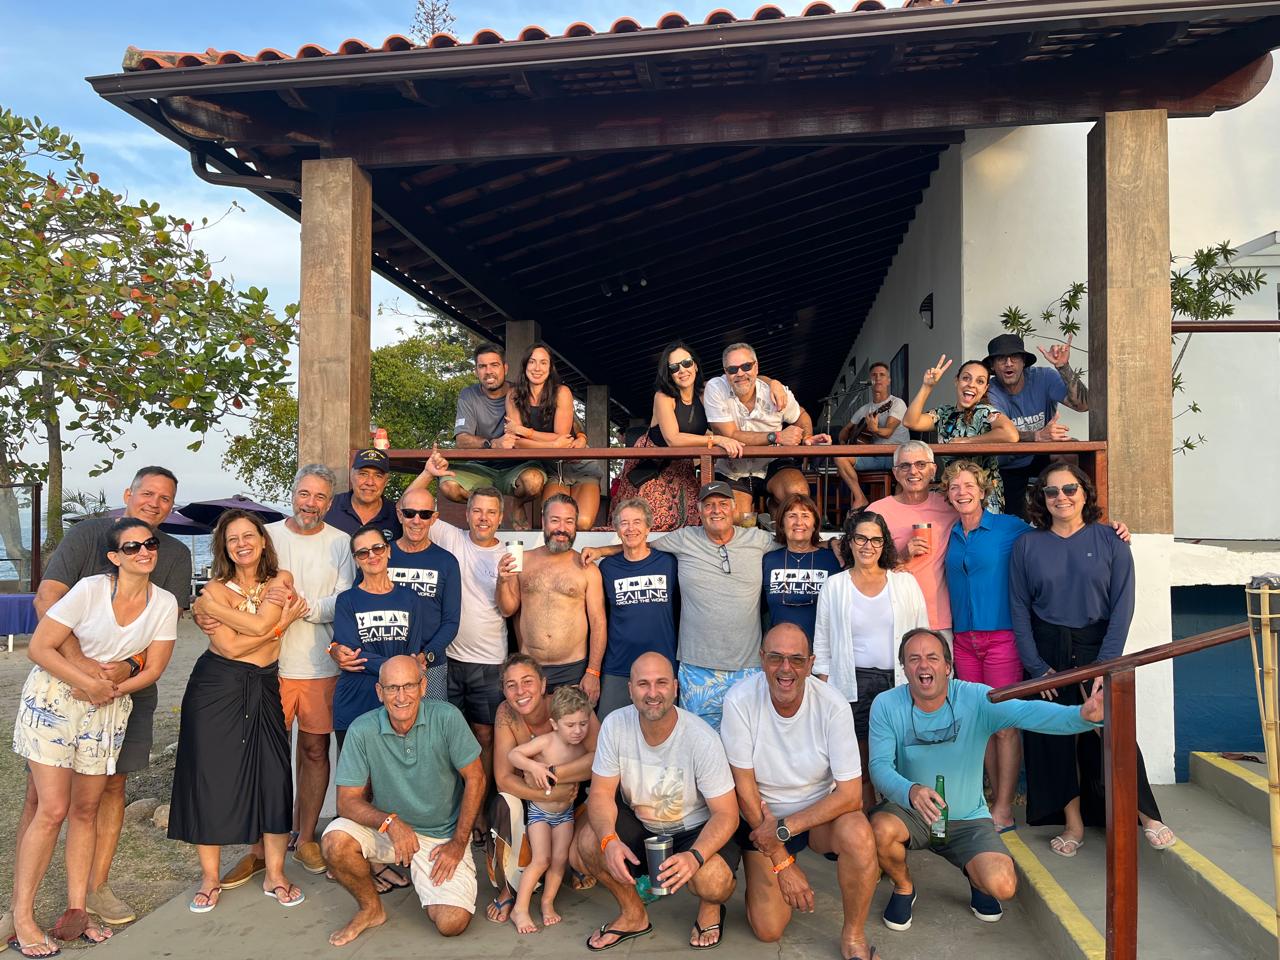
{"x": 657, "y": 850}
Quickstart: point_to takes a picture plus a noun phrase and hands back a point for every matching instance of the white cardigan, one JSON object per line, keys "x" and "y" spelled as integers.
{"x": 832, "y": 651}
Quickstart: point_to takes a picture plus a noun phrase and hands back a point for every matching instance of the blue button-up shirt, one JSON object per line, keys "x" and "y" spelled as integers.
{"x": 978, "y": 572}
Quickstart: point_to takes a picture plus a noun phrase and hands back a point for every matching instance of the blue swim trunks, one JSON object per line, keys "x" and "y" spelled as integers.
{"x": 702, "y": 690}
{"x": 537, "y": 815}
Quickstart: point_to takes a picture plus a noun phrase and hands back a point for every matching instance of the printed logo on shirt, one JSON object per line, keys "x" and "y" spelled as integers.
{"x": 385, "y": 625}
{"x": 650, "y": 588}
{"x": 424, "y": 582}
{"x": 460, "y": 422}
{"x": 807, "y": 582}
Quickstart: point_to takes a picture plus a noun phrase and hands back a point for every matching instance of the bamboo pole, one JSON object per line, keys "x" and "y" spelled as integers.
{"x": 1263, "y": 642}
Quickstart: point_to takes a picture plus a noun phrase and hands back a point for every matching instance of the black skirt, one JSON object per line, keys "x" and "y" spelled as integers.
{"x": 1061, "y": 768}
{"x": 233, "y": 781}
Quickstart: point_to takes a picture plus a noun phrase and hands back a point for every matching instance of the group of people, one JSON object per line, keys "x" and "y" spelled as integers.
{"x": 380, "y": 622}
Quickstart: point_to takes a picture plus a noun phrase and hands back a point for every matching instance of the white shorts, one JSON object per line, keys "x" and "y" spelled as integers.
{"x": 55, "y": 729}
{"x": 458, "y": 891}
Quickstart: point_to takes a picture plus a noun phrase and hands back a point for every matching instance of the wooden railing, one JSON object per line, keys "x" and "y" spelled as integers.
{"x": 1120, "y": 759}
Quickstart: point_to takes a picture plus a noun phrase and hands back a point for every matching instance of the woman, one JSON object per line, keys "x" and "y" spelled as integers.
{"x": 540, "y": 414}
{"x": 861, "y": 614}
{"x": 794, "y": 573}
{"x": 525, "y": 714}
{"x": 1071, "y": 590}
{"x": 233, "y": 782}
{"x": 968, "y": 420}
{"x": 71, "y": 723}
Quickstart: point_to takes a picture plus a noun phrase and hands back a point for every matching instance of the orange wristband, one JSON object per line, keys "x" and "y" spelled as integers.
{"x": 594, "y": 673}
{"x": 386, "y": 824}
{"x": 605, "y": 842}
{"x": 778, "y": 868}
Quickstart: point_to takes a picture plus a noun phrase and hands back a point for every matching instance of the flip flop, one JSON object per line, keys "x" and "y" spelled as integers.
{"x": 707, "y": 929}
{"x": 1065, "y": 846}
{"x": 209, "y": 901}
{"x": 396, "y": 875}
{"x": 580, "y": 881}
{"x": 101, "y": 928}
{"x": 1008, "y": 828}
{"x": 46, "y": 942}
{"x": 274, "y": 894}
{"x": 871, "y": 956}
{"x": 622, "y": 935}
{"x": 500, "y": 905}
{"x": 1160, "y": 844}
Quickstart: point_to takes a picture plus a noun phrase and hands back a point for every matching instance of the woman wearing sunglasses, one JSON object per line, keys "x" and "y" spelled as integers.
{"x": 71, "y": 721}
{"x": 862, "y": 612}
{"x": 233, "y": 783}
{"x": 1071, "y": 588}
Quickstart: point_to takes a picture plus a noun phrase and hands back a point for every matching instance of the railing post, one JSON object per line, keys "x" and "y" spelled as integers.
{"x": 1120, "y": 760}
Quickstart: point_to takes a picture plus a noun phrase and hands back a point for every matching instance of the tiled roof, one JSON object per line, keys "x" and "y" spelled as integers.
{"x": 135, "y": 59}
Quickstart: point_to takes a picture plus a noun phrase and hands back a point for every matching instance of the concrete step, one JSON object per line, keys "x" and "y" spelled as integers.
{"x": 1240, "y": 783}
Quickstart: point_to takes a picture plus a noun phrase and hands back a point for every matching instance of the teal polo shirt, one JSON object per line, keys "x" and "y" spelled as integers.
{"x": 414, "y": 776}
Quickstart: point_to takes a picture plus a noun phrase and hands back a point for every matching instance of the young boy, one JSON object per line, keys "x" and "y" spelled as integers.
{"x": 550, "y": 826}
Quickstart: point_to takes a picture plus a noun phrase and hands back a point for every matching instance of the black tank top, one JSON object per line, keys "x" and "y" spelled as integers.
{"x": 690, "y": 418}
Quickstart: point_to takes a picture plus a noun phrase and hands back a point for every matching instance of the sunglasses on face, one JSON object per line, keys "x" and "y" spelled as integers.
{"x": 796, "y": 660}
{"x": 916, "y": 465}
{"x": 131, "y": 547}
{"x": 676, "y": 365}
{"x": 744, "y": 367}
{"x": 409, "y": 513}
{"x": 377, "y": 550}
{"x": 1070, "y": 489}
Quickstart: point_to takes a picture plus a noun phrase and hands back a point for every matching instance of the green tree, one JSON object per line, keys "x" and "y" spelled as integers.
{"x": 110, "y": 315}
{"x": 414, "y": 388}
{"x": 1204, "y": 286}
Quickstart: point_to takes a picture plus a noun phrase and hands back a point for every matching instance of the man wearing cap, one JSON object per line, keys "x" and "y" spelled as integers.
{"x": 1029, "y": 396}
{"x": 364, "y": 502}
{"x": 720, "y": 576}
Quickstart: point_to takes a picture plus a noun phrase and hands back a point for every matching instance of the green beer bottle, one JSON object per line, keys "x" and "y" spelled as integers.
{"x": 938, "y": 829}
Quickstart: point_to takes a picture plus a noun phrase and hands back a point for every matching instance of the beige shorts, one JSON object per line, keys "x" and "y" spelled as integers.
{"x": 458, "y": 891}
{"x": 310, "y": 702}
{"x": 57, "y": 730}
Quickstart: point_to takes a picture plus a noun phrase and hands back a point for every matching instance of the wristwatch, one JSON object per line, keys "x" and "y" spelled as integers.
{"x": 772, "y": 438}
{"x": 784, "y": 832}
{"x": 488, "y": 444}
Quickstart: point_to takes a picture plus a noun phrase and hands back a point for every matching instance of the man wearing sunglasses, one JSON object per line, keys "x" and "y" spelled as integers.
{"x": 933, "y": 726}
{"x": 82, "y": 553}
{"x": 794, "y": 755}
{"x": 364, "y": 503}
{"x": 740, "y": 406}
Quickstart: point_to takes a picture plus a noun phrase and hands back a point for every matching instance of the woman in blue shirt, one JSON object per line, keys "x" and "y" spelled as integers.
{"x": 1071, "y": 590}
{"x": 795, "y": 573}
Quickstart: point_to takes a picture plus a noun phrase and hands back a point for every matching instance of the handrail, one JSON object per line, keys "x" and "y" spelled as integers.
{"x": 1163, "y": 651}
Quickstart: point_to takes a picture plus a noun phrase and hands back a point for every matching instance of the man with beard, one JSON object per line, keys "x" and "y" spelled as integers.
{"x": 935, "y": 726}
{"x": 560, "y": 600}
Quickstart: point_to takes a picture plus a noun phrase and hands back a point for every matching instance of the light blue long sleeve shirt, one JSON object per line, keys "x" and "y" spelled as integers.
{"x": 900, "y": 757}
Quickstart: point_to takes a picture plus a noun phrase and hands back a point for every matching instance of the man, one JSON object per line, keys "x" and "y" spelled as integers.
{"x": 481, "y": 423}
{"x": 935, "y": 726}
{"x": 923, "y": 547}
{"x": 879, "y": 420}
{"x": 675, "y": 783}
{"x": 319, "y": 557}
{"x": 560, "y": 601}
{"x": 1030, "y": 397}
{"x": 410, "y": 785}
{"x": 82, "y": 553}
{"x": 721, "y": 574}
{"x": 739, "y": 405}
{"x": 364, "y": 503}
{"x": 433, "y": 574}
{"x": 794, "y": 756}
{"x": 640, "y": 595}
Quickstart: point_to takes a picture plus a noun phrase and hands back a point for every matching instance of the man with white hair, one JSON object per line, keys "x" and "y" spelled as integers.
{"x": 921, "y": 522}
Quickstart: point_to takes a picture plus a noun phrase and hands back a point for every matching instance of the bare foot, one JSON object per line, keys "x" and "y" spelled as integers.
{"x": 361, "y": 922}
{"x": 523, "y": 922}
{"x": 32, "y": 941}
{"x": 96, "y": 932}
{"x": 549, "y": 915}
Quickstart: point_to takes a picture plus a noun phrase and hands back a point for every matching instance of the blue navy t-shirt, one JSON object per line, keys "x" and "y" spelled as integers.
{"x": 434, "y": 576}
{"x": 380, "y": 625}
{"x": 1032, "y": 407}
{"x": 792, "y": 582}
{"x": 641, "y": 600}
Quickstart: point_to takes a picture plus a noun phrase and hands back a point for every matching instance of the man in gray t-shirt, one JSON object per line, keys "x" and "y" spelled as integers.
{"x": 480, "y": 423}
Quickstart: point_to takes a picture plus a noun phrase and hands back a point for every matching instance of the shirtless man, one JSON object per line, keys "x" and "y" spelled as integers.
{"x": 559, "y": 599}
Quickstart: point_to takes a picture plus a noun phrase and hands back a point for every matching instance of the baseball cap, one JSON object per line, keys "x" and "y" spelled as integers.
{"x": 716, "y": 488}
{"x": 371, "y": 458}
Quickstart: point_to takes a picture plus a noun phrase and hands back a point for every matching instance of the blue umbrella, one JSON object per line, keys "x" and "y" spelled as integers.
{"x": 207, "y": 512}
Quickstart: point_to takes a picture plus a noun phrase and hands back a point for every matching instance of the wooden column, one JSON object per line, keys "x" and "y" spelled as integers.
{"x": 1120, "y": 752}
{"x": 598, "y": 415}
{"x": 333, "y": 350}
{"x": 519, "y": 335}
{"x": 1130, "y": 357}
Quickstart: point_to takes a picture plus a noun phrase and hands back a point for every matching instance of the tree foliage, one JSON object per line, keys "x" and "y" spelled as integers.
{"x": 111, "y": 315}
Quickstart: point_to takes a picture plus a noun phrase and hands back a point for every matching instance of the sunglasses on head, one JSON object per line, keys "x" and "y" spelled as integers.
{"x": 1070, "y": 489}
{"x": 410, "y": 513}
{"x": 744, "y": 367}
{"x": 130, "y": 547}
{"x": 675, "y": 365}
{"x": 377, "y": 550}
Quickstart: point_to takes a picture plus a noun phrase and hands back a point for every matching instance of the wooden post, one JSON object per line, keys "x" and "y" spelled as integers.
{"x": 333, "y": 343}
{"x": 519, "y": 335}
{"x": 1130, "y": 358}
{"x": 1120, "y": 746}
{"x": 597, "y": 415}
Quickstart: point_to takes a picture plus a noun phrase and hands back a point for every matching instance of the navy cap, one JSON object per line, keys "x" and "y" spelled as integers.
{"x": 371, "y": 458}
{"x": 716, "y": 488}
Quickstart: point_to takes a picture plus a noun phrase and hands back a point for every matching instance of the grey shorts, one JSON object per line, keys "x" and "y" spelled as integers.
{"x": 563, "y": 674}
{"x": 573, "y": 472}
{"x": 135, "y": 752}
{"x": 965, "y": 838}
{"x": 614, "y": 695}
{"x": 476, "y": 689}
{"x": 471, "y": 474}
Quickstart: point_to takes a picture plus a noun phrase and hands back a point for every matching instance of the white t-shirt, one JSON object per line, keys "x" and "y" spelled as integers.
{"x": 897, "y": 410}
{"x": 872, "y": 622}
{"x": 723, "y": 406}
{"x": 666, "y": 786}
{"x": 482, "y": 631}
{"x": 86, "y": 609}
{"x": 797, "y": 760}
{"x": 322, "y": 568}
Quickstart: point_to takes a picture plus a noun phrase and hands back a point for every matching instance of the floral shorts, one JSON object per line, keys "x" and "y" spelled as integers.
{"x": 55, "y": 729}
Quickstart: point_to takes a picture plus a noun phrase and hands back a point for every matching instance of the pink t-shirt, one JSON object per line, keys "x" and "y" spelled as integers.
{"x": 930, "y": 572}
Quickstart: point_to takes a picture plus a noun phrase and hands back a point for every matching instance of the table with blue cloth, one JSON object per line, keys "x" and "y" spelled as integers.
{"x": 17, "y": 614}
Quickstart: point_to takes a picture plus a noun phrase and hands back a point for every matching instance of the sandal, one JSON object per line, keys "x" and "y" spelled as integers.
{"x": 286, "y": 900}
{"x": 104, "y": 933}
{"x": 396, "y": 881}
{"x": 700, "y": 930}
{"x": 70, "y": 925}
{"x": 622, "y": 935}
{"x": 210, "y": 900}
{"x": 1154, "y": 837}
{"x": 1065, "y": 846}
{"x": 45, "y": 944}
{"x": 498, "y": 906}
